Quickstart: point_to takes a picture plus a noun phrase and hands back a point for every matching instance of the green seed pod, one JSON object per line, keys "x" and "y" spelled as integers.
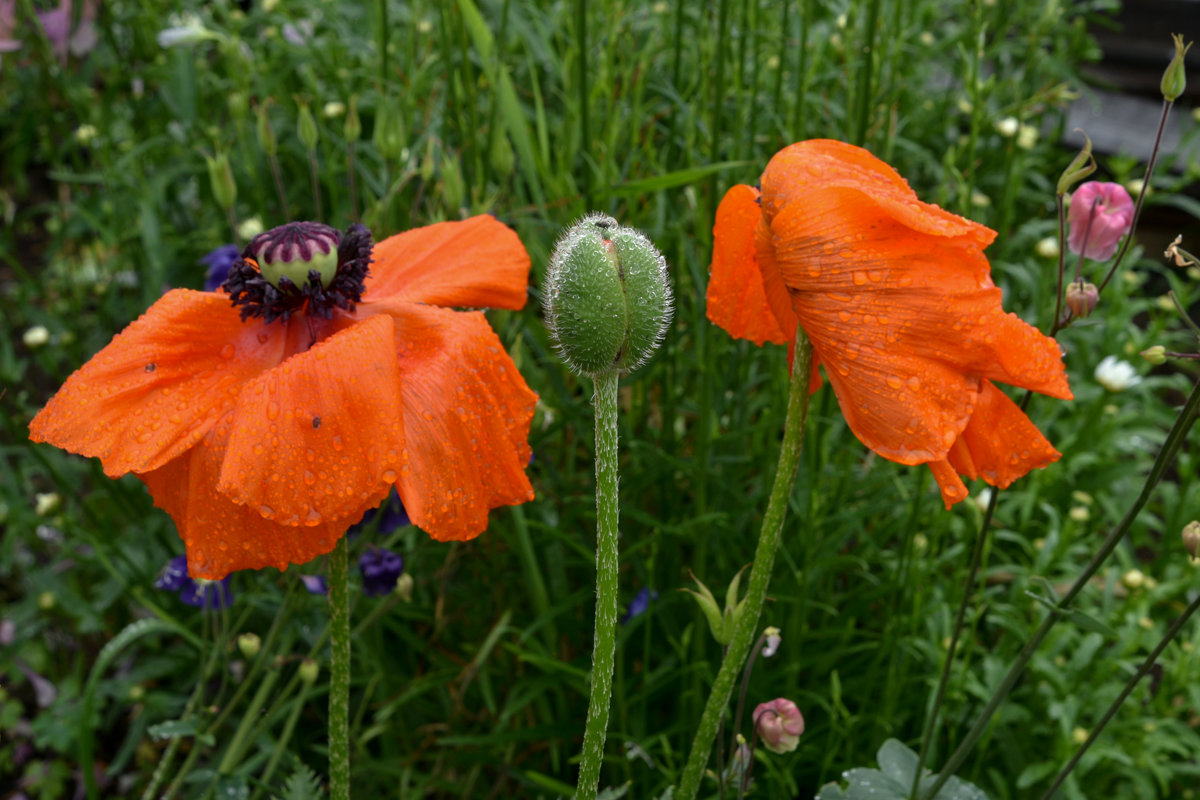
{"x": 306, "y": 126}
{"x": 388, "y": 136}
{"x": 1174, "y": 79}
{"x": 453, "y": 190}
{"x": 607, "y": 300}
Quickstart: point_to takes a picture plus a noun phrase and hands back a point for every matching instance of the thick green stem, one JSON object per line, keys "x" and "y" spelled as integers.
{"x": 607, "y": 507}
{"x": 339, "y": 674}
{"x": 1166, "y": 455}
{"x": 760, "y": 573}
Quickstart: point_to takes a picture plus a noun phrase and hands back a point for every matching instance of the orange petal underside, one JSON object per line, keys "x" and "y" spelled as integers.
{"x": 466, "y": 419}
{"x": 222, "y": 536}
{"x": 475, "y": 263}
{"x": 735, "y": 298}
{"x": 160, "y": 385}
{"x": 319, "y": 438}
{"x": 1000, "y": 443}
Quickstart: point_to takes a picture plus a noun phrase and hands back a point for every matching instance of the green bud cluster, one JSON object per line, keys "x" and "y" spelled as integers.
{"x": 607, "y": 300}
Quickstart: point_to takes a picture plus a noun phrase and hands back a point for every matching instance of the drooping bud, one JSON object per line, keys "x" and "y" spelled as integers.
{"x": 1191, "y": 539}
{"x": 1101, "y": 213}
{"x": 1174, "y": 79}
{"x": 1082, "y": 298}
{"x": 1080, "y": 167}
{"x": 779, "y": 724}
{"x": 773, "y": 638}
{"x": 249, "y": 644}
{"x": 607, "y": 299}
{"x": 1155, "y": 354}
{"x": 292, "y": 250}
{"x": 224, "y": 188}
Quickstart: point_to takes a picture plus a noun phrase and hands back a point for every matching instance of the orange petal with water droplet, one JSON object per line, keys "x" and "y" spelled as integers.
{"x": 222, "y": 536}
{"x": 735, "y": 299}
{"x": 466, "y": 419}
{"x": 1000, "y": 443}
{"x": 319, "y": 438}
{"x": 158, "y": 387}
{"x": 475, "y": 263}
{"x": 953, "y": 489}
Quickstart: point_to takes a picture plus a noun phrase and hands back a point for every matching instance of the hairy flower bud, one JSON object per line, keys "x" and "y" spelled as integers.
{"x": 1082, "y": 298}
{"x": 266, "y": 134}
{"x": 607, "y": 299}
{"x": 779, "y": 724}
{"x": 388, "y": 136}
{"x": 1174, "y": 79}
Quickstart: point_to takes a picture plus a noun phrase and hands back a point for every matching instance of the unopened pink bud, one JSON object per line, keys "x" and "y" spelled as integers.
{"x": 1082, "y": 298}
{"x": 779, "y": 725}
{"x": 1101, "y": 213}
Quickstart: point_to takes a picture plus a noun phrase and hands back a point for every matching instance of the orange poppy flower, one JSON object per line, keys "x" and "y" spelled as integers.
{"x": 266, "y": 432}
{"x": 898, "y": 301}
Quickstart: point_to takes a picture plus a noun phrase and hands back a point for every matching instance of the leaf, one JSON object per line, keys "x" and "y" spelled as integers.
{"x": 614, "y": 792}
{"x": 232, "y": 787}
{"x": 897, "y": 761}
{"x": 303, "y": 784}
{"x": 177, "y": 728}
{"x": 1081, "y": 619}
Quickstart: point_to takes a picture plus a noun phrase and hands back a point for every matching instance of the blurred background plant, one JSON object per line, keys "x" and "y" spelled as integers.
{"x": 161, "y": 132}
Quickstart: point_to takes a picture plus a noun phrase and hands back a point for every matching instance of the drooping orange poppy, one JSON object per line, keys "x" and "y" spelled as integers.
{"x": 266, "y": 426}
{"x": 898, "y": 301}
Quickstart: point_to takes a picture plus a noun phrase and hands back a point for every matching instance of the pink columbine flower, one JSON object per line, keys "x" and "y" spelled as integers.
{"x": 1101, "y": 213}
{"x": 779, "y": 725}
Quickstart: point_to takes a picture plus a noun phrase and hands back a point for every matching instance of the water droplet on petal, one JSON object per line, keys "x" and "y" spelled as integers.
{"x": 272, "y": 410}
{"x": 227, "y": 351}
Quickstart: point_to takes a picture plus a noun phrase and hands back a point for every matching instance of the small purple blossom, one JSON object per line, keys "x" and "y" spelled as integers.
{"x": 198, "y": 593}
{"x": 389, "y": 517}
{"x": 380, "y": 570}
{"x": 638, "y": 605}
{"x": 219, "y": 262}
{"x": 315, "y": 584}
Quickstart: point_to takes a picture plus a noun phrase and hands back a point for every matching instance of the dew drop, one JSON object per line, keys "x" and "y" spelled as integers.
{"x": 143, "y": 437}
{"x": 894, "y": 382}
{"x": 313, "y": 518}
{"x": 266, "y": 511}
{"x": 227, "y": 351}
{"x": 336, "y": 441}
{"x": 272, "y": 410}
{"x": 389, "y": 475}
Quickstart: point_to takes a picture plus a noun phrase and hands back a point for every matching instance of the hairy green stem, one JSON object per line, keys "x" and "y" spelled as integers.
{"x": 339, "y": 673}
{"x": 760, "y": 573}
{"x": 1166, "y": 455}
{"x": 607, "y": 507}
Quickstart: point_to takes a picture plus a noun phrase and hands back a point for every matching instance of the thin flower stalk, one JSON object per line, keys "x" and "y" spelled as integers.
{"x": 339, "y": 673}
{"x": 760, "y": 573}
{"x": 1130, "y": 685}
{"x": 1166, "y": 456}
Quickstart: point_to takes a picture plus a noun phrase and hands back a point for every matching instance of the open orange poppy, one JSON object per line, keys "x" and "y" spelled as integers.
{"x": 266, "y": 433}
{"x": 898, "y": 301}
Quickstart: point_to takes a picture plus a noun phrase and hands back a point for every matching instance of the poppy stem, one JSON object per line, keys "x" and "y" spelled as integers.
{"x": 604, "y": 649}
{"x": 339, "y": 673}
{"x": 746, "y": 623}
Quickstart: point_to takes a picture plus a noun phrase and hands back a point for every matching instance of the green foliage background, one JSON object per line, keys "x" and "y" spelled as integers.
{"x": 538, "y": 112}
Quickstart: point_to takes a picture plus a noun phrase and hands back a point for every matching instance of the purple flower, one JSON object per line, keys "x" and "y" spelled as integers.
{"x": 380, "y": 569}
{"x": 390, "y": 516}
{"x": 1100, "y": 214}
{"x": 198, "y": 593}
{"x": 219, "y": 262}
{"x": 315, "y": 584}
{"x": 641, "y": 601}
{"x": 56, "y": 23}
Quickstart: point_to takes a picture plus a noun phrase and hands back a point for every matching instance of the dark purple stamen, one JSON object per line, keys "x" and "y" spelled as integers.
{"x": 300, "y": 242}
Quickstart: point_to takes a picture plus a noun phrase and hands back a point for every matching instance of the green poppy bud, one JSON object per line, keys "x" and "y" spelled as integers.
{"x": 1174, "y": 79}
{"x": 224, "y": 188}
{"x": 309, "y": 670}
{"x": 453, "y": 190}
{"x": 1191, "y": 539}
{"x": 250, "y": 644}
{"x": 306, "y": 126}
{"x": 388, "y": 136}
{"x": 607, "y": 299}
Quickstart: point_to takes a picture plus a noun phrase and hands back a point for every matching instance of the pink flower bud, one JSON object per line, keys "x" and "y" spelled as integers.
{"x": 779, "y": 725}
{"x": 1101, "y": 213}
{"x": 1082, "y": 298}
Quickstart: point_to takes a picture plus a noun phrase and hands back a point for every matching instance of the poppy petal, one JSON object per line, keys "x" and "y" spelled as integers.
{"x": 319, "y": 438}
{"x": 222, "y": 536}
{"x": 467, "y": 412}
{"x": 735, "y": 299}
{"x": 953, "y": 489}
{"x": 159, "y": 386}
{"x": 916, "y": 293}
{"x": 475, "y": 263}
{"x": 1000, "y": 443}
